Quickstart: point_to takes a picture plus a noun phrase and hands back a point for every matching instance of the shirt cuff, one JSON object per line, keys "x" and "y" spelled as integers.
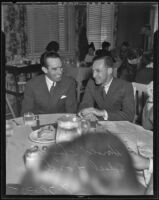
{"x": 151, "y": 165}
{"x": 105, "y": 115}
{"x": 148, "y": 172}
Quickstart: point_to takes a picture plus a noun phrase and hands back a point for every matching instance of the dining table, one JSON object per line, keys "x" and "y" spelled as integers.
{"x": 135, "y": 137}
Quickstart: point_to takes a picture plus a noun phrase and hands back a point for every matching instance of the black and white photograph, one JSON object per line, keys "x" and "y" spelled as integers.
{"x": 79, "y": 99}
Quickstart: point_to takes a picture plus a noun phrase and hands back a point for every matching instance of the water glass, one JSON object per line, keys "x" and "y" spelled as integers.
{"x": 85, "y": 126}
{"x": 9, "y": 128}
{"x": 29, "y": 119}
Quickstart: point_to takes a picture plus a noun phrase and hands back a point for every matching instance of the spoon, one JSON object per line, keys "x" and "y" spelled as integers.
{"x": 16, "y": 122}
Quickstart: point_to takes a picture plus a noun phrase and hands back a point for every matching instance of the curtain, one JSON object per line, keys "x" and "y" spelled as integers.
{"x": 15, "y": 29}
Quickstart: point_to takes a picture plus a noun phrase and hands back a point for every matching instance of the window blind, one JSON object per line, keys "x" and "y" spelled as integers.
{"x": 100, "y": 23}
{"x": 42, "y": 26}
{"x": 51, "y": 22}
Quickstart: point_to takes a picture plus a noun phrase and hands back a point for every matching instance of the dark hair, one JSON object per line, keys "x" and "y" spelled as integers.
{"x": 107, "y": 59}
{"x": 134, "y": 53}
{"x": 91, "y": 45}
{"x": 105, "y": 44}
{"x": 52, "y": 46}
{"x": 48, "y": 54}
{"x": 125, "y": 43}
{"x": 99, "y": 157}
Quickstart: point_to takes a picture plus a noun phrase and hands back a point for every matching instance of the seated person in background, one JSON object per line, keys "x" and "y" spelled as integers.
{"x": 147, "y": 115}
{"x": 107, "y": 97}
{"x": 51, "y": 92}
{"x": 89, "y": 57}
{"x": 98, "y": 52}
{"x": 145, "y": 74}
{"x": 52, "y": 46}
{"x": 92, "y": 164}
{"x": 124, "y": 50}
{"x": 131, "y": 65}
{"x": 105, "y": 49}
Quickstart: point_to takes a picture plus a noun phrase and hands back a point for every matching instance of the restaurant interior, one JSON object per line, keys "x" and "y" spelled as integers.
{"x": 79, "y": 31}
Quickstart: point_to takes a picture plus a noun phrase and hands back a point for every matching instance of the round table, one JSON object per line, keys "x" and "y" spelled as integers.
{"x": 132, "y": 135}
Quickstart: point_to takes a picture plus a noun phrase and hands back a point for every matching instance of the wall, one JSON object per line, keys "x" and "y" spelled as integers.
{"x": 131, "y": 18}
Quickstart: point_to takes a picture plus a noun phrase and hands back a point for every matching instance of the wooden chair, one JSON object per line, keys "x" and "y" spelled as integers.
{"x": 82, "y": 78}
{"x": 10, "y": 108}
{"x": 81, "y": 75}
{"x": 140, "y": 95}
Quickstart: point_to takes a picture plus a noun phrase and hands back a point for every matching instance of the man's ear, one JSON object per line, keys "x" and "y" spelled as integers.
{"x": 110, "y": 70}
{"x": 44, "y": 69}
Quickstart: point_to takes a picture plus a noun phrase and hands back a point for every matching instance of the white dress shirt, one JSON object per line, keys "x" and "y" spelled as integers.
{"x": 106, "y": 88}
{"x": 49, "y": 83}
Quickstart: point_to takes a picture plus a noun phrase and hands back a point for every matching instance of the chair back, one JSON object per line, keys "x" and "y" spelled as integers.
{"x": 83, "y": 76}
{"x": 71, "y": 71}
{"x": 140, "y": 95}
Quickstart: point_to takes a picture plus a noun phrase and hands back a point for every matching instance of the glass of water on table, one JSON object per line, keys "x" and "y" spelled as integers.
{"x": 9, "y": 129}
{"x": 30, "y": 119}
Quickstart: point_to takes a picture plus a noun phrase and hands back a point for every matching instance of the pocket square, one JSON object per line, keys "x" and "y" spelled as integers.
{"x": 63, "y": 96}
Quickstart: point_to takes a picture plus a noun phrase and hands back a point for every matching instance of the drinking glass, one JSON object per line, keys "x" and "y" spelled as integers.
{"x": 85, "y": 126}
{"x": 29, "y": 119}
{"x": 9, "y": 128}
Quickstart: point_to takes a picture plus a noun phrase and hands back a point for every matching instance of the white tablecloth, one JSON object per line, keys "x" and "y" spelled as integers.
{"x": 135, "y": 137}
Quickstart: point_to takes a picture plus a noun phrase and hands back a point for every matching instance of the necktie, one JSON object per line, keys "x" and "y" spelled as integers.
{"x": 104, "y": 93}
{"x": 52, "y": 89}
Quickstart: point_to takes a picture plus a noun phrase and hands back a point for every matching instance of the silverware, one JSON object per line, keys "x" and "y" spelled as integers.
{"x": 16, "y": 122}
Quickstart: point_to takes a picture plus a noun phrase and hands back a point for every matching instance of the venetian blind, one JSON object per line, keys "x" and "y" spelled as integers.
{"x": 42, "y": 26}
{"x": 100, "y": 23}
{"x": 51, "y": 22}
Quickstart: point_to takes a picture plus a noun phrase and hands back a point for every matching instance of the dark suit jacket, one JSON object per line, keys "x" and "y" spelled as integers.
{"x": 37, "y": 98}
{"x": 119, "y": 101}
{"x": 144, "y": 76}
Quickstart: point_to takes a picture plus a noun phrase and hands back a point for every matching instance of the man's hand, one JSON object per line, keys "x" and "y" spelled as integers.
{"x": 140, "y": 162}
{"x": 150, "y": 91}
{"x": 91, "y": 117}
{"x": 91, "y": 110}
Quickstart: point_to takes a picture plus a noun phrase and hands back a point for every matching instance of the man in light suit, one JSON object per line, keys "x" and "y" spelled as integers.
{"x": 50, "y": 92}
{"x": 106, "y": 97}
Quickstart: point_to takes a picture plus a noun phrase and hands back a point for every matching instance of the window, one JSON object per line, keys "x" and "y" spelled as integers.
{"x": 50, "y": 22}
{"x": 100, "y": 23}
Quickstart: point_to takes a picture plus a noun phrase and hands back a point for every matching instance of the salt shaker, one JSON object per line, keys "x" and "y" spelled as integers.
{"x": 31, "y": 157}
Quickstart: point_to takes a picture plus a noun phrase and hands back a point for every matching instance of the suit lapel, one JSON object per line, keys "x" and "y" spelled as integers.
{"x": 105, "y": 103}
{"x": 58, "y": 91}
{"x": 99, "y": 96}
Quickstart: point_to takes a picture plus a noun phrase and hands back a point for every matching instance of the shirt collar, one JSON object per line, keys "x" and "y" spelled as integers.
{"x": 108, "y": 84}
{"x": 49, "y": 82}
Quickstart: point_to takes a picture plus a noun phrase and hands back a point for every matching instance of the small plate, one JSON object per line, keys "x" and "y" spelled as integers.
{"x": 34, "y": 138}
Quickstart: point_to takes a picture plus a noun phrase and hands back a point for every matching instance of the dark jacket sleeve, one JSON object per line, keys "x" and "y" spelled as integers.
{"x": 71, "y": 102}
{"x": 128, "y": 106}
{"x": 88, "y": 100}
{"x": 28, "y": 101}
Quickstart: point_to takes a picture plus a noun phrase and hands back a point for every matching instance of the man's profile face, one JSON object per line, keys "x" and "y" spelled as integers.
{"x": 54, "y": 69}
{"x": 100, "y": 72}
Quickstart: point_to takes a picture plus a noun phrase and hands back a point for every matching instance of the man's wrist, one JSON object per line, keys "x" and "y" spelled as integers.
{"x": 150, "y": 169}
{"x": 150, "y": 100}
{"x": 105, "y": 115}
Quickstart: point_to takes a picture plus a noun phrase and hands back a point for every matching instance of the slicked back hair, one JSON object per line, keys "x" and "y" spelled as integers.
{"x": 48, "y": 54}
{"x": 107, "y": 60}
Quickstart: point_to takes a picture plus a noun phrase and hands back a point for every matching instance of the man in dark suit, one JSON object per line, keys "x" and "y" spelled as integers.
{"x": 106, "y": 97}
{"x": 52, "y": 92}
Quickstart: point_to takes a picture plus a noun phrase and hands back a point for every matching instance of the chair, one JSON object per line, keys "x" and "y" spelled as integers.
{"x": 82, "y": 78}
{"x": 10, "y": 108}
{"x": 140, "y": 95}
